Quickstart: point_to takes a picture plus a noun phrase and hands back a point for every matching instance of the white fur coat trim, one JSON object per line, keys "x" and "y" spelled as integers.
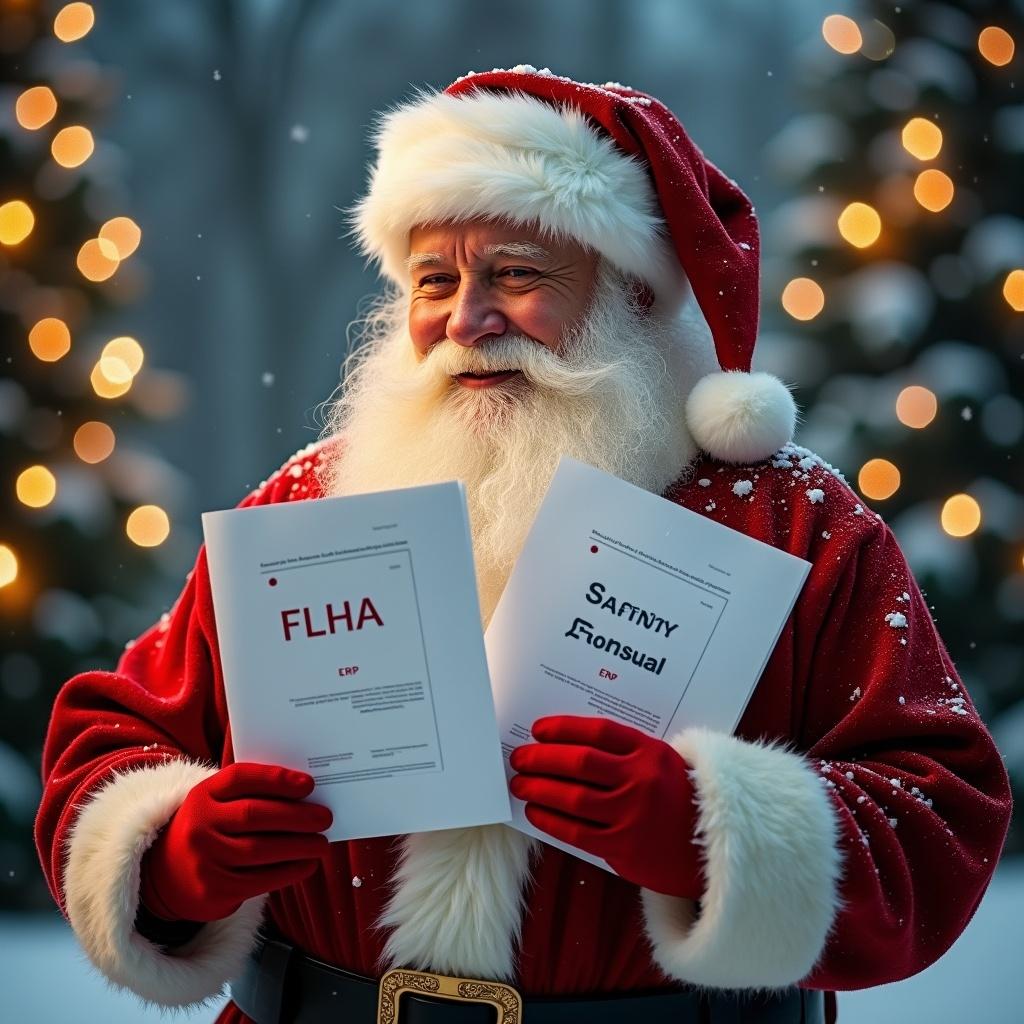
{"x": 113, "y": 830}
{"x": 457, "y": 905}
{"x": 489, "y": 154}
{"x": 772, "y": 862}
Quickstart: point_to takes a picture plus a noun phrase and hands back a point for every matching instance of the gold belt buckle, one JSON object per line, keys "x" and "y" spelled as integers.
{"x": 507, "y": 1002}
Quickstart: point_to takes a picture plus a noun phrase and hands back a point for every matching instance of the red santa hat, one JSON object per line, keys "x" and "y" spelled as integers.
{"x": 614, "y": 169}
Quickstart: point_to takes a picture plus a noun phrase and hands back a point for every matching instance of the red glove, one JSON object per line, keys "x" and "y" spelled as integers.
{"x": 618, "y": 794}
{"x": 240, "y": 833}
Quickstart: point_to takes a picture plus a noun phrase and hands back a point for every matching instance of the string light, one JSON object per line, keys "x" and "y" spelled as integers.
{"x": 842, "y": 34}
{"x": 35, "y": 107}
{"x": 97, "y": 259}
{"x": 72, "y": 146}
{"x": 1013, "y": 290}
{"x": 73, "y": 22}
{"x": 94, "y": 441}
{"x": 123, "y": 233}
{"x": 148, "y": 526}
{"x": 921, "y": 138}
{"x": 996, "y": 45}
{"x": 8, "y": 565}
{"x": 860, "y": 225}
{"x": 803, "y": 298}
{"x": 35, "y": 486}
{"x": 49, "y": 339}
{"x": 878, "y": 479}
{"x": 961, "y": 515}
{"x": 16, "y": 222}
{"x": 916, "y": 406}
{"x": 933, "y": 189}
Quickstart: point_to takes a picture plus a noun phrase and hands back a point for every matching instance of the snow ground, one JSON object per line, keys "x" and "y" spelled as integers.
{"x": 46, "y": 977}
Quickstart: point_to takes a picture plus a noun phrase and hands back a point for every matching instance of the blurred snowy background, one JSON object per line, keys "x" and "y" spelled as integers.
{"x": 175, "y": 291}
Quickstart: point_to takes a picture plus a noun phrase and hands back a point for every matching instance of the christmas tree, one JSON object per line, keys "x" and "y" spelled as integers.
{"x": 81, "y": 524}
{"x": 898, "y": 272}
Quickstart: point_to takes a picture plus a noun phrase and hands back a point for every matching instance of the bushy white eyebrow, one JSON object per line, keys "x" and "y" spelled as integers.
{"x": 524, "y": 250}
{"x": 420, "y": 259}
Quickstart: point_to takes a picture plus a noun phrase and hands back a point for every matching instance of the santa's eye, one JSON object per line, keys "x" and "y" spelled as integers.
{"x": 434, "y": 279}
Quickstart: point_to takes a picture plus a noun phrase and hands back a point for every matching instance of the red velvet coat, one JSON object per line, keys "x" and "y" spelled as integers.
{"x": 851, "y": 826}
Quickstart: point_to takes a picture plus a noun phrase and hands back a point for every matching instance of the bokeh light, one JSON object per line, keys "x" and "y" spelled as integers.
{"x": 49, "y": 339}
{"x": 94, "y": 441}
{"x": 110, "y": 386}
{"x": 933, "y": 189}
{"x": 878, "y": 479}
{"x": 8, "y": 565}
{"x": 921, "y": 138}
{"x": 860, "y": 225}
{"x": 35, "y": 486}
{"x": 16, "y": 222}
{"x": 961, "y": 515}
{"x": 124, "y": 350}
{"x": 148, "y": 526}
{"x": 97, "y": 259}
{"x": 73, "y": 21}
{"x": 842, "y": 33}
{"x": 803, "y": 298}
{"x": 123, "y": 233}
{"x": 72, "y": 146}
{"x": 35, "y": 107}
{"x": 996, "y": 45}
{"x": 1013, "y": 290}
{"x": 916, "y": 406}
{"x": 879, "y": 40}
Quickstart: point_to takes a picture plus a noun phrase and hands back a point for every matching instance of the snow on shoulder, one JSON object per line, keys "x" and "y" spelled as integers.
{"x": 294, "y": 480}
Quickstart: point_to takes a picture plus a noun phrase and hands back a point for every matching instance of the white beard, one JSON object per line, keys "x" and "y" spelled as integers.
{"x": 613, "y": 397}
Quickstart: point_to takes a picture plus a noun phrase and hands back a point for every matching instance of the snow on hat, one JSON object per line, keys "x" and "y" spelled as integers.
{"x": 612, "y": 168}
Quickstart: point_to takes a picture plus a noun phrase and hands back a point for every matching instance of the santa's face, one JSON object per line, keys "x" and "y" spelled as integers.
{"x": 591, "y": 374}
{"x": 483, "y": 279}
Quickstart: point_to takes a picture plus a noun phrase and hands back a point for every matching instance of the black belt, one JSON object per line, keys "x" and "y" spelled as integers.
{"x": 282, "y": 985}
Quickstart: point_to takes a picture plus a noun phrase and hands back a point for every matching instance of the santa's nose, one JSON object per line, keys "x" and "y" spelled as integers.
{"x": 474, "y": 316}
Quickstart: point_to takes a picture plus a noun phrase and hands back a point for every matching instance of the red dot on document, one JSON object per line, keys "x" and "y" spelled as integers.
{"x": 593, "y": 549}
{"x": 272, "y": 581}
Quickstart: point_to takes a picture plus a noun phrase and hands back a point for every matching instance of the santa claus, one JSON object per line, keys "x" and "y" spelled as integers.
{"x": 547, "y": 244}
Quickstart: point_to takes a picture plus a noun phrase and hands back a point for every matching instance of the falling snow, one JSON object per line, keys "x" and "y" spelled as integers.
{"x": 704, "y": 482}
{"x": 299, "y": 133}
{"x": 897, "y": 620}
{"x": 357, "y": 882}
{"x": 268, "y": 379}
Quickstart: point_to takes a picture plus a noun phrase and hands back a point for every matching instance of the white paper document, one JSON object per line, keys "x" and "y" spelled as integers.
{"x": 350, "y": 639}
{"x": 628, "y": 606}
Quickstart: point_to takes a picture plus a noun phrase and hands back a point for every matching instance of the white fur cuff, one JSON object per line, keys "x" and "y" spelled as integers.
{"x": 101, "y": 888}
{"x": 772, "y": 867}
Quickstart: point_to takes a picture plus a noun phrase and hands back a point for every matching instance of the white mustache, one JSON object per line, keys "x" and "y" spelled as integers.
{"x": 567, "y": 373}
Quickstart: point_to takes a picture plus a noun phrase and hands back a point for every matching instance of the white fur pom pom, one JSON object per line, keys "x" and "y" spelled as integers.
{"x": 740, "y": 417}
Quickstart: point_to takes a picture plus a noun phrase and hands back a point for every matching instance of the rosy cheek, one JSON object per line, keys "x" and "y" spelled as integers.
{"x": 425, "y": 328}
